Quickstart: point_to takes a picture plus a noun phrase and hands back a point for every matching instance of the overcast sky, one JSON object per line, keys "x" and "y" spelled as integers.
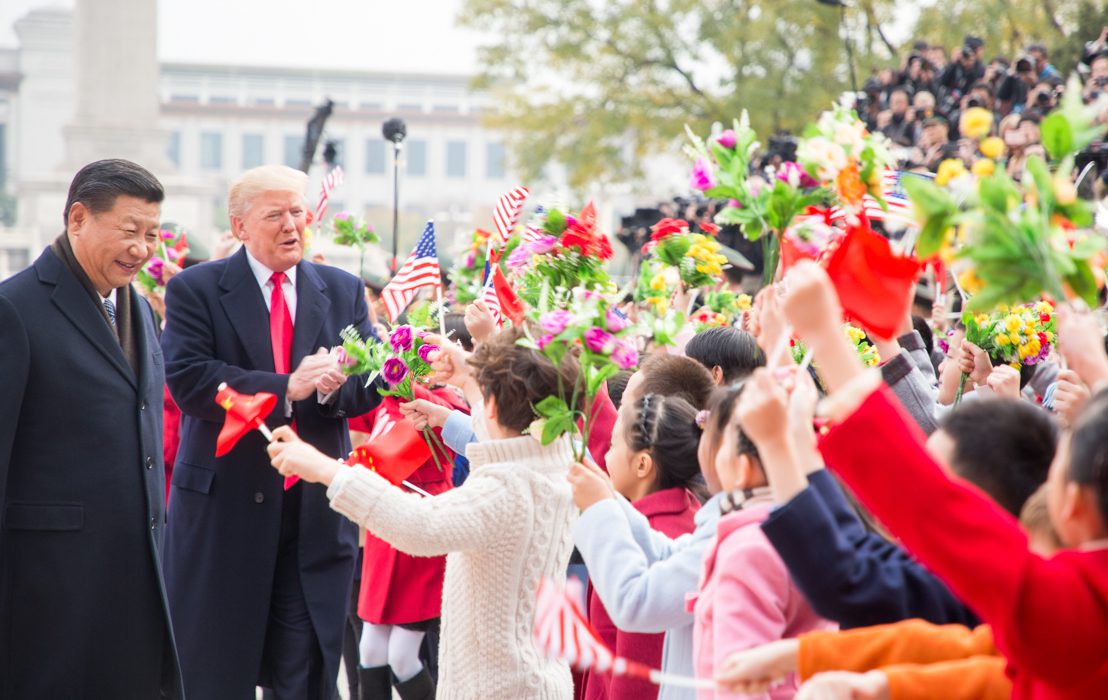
{"x": 412, "y": 35}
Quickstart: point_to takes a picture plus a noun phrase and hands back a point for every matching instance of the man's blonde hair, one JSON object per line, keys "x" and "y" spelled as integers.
{"x": 264, "y": 178}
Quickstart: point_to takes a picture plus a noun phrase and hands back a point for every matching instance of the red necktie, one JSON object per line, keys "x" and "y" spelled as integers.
{"x": 280, "y": 325}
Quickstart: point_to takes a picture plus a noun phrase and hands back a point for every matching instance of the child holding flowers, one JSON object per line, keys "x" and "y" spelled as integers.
{"x": 505, "y": 529}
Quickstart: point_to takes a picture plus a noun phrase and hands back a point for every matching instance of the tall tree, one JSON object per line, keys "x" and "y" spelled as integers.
{"x": 595, "y": 85}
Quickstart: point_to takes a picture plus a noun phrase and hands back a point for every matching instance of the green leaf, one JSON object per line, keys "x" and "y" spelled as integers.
{"x": 551, "y": 407}
{"x": 1057, "y": 135}
{"x": 1083, "y": 282}
{"x": 1086, "y": 247}
{"x": 599, "y": 376}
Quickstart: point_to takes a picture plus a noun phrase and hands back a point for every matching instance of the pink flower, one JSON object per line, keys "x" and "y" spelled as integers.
{"x": 543, "y": 341}
{"x": 425, "y": 350}
{"x": 469, "y": 260}
{"x": 727, "y": 139}
{"x": 394, "y": 370}
{"x": 519, "y": 257}
{"x": 554, "y": 322}
{"x": 625, "y": 355}
{"x": 544, "y": 245}
{"x": 156, "y": 268}
{"x": 344, "y": 359}
{"x": 796, "y": 176}
{"x": 343, "y": 216}
{"x": 615, "y": 321}
{"x": 599, "y": 341}
{"x": 702, "y": 177}
{"x": 401, "y": 338}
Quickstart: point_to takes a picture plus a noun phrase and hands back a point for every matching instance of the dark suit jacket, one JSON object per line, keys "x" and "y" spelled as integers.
{"x": 225, "y": 513}
{"x": 83, "y": 610}
{"x": 849, "y": 574}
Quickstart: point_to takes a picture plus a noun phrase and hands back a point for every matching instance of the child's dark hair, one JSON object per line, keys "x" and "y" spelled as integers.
{"x": 666, "y": 427}
{"x": 617, "y": 384}
{"x": 456, "y": 322}
{"x": 674, "y": 375}
{"x": 1002, "y": 446}
{"x": 1088, "y": 458}
{"x": 734, "y": 351}
{"x": 518, "y": 377}
{"x": 925, "y": 332}
{"x": 720, "y": 409}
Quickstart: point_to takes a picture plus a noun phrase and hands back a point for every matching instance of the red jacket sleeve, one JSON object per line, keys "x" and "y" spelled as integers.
{"x": 1049, "y": 617}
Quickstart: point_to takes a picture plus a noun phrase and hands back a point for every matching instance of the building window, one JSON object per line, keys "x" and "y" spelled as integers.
{"x": 455, "y": 158}
{"x": 375, "y": 157}
{"x": 409, "y": 107}
{"x": 494, "y": 161}
{"x": 417, "y": 158}
{"x": 211, "y": 151}
{"x": 173, "y": 148}
{"x": 253, "y": 150}
{"x": 294, "y": 146}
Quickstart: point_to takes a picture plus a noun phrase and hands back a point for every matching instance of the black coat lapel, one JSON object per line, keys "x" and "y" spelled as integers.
{"x": 76, "y": 305}
{"x": 244, "y": 305}
{"x": 312, "y": 306}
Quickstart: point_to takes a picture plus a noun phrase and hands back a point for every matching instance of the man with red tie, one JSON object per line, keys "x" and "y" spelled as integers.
{"x": 258, "y": 576}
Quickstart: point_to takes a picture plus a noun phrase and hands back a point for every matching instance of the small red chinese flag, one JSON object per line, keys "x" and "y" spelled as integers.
{"x": 510, "y": 303}
{"x": 874, "y": 283}
{"x": 395, "y": 449}
{"x": 245, "y": 412}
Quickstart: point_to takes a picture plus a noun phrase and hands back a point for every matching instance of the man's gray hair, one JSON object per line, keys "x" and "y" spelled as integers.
{"x": 264, "y": 178}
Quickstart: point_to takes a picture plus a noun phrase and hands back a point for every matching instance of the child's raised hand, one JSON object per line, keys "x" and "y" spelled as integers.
{"x": 1081, "y": 342}
{"x": 479, "y": 321}
{"x": 754, "y": 670}
{"x": 802, "y": 408}
{"x": 1004, "y": 381}
{"x": 844, "y": 685}
{"x": 763, "y": 409}
{"x": 1070, "y": 395}
{"x": 590, "y": 484}
{"x": 811, "y": 304}
{"x": 448, "y": 363}
{"x": 770, "y": 327}
{"x": 425, "y": 414}
{"x": 975, "y": 362}
{"x": 293, "y": 457}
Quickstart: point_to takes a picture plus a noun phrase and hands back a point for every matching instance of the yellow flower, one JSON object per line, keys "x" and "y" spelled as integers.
{"x": 1012, "y": 323}
{"x": 743, "y": 302}
{"x": 982, "y": 319}
{"x": 856, "y": 335}
{"x": 658, "y": 283}
{"x": 948, "y": 170}
{"x": 970, "y": 282}
{"x": 983, "y": 167}
{"x": 976, "y": 123}
{"x": 992, "y": 147}
{"x": 1044, "y": 308}
{"x": 1002, "y": 340}
{"x": 1015, "y": 338}
{"x": 1064, "y": 191}
{"x": 1049, "y": 337}
{"x": 660, "y": 304}
{"x": 1002, "y": 308}
{"x": 1014, "y": 365}
{"x": 1024, "y": 351}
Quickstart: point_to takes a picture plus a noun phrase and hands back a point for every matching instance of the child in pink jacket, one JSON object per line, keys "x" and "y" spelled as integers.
{"x": 746, "y": 596}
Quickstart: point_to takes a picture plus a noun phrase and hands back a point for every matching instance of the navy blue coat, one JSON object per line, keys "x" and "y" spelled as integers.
{"x": 83, "y": 611}
{"x": 849, "y": 574}
{"x": 225, "y": 513}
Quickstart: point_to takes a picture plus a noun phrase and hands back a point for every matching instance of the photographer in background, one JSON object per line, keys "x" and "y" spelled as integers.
{"x": 1043, "y": 66}
{"x": 1011, "y": 94}
{"x": 960, "y": 76}
{"x": 896, "y": 123}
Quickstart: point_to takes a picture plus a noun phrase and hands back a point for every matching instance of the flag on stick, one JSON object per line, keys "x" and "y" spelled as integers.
{"x": 421, "y": 269}
{"x": 504, "y": 218}
{"x": 395, "y": 449}
{"x": 245, "y": 412}
{"x": 330, "y": 181}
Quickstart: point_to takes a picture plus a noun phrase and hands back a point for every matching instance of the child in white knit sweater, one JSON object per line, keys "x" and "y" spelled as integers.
{"x": 507, "y": 527}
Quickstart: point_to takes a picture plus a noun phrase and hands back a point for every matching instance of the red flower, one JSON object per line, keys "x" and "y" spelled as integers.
{"x": 582, "y": 234}
{"x": 709, "y": 228}
{"x": 1045, "y": 318}
{"x": 668, "y": 227}
{"x": 1042, "y": 338}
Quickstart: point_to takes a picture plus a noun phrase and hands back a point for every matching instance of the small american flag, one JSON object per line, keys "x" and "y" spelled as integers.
{"x": 330, "y": 181}
{"x": 505, "y": 216}
{"x": 491, "y": 299}
{"x": 421, "y": 269}
{"x": 900, "y": 212}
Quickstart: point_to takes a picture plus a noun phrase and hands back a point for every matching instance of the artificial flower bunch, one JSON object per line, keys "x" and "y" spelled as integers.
{"x": 564, "y": 252}
{"x": 867, "y": 353}
{"x": 809, "y": 236}
{"x": 172, "y": 248}
{"x": 841, "y": 154}
{"x": 677, "y": 255}
{"x": 354, "y": 232}
{"x": 468, "y": 275}
{"x": 721, "y": 170}
{"x": 601, "y": 339}
{"x": 1011, "y": 242}
{"x": 403, "y": 362}
{"x": 1017, "y": 336}
{"x": 720, "y": 309}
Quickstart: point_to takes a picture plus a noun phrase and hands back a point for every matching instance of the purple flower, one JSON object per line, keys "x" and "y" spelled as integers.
{"x": 735, "y": 203}
{"x": 702, "y": 178}
{"x": 571, "y": 220}
{"x": 554, "y": 322}
{"x": 615, "y": 321}
{"x": 543, "y": 341}
{"x": 625, "y": 355}
{"x": 544, "y": 245}
{"x": 519, "y": 257}
{"x": 167, "y": 235}
{"x": 727, "y": 139}
{"x": 394, "y": 370}
{"x": 343, "y": 216}
{"x": 425, "y": 350}
{"x": 401, "y": 338}
{"x": 156, "y": 268}
{"x": 795, "y": 175}
{"x": 470, "y": 259}
{"x": 599, "y": 341}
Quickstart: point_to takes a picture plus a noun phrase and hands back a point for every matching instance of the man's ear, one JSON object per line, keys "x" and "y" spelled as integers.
{"x": 79, "y": 214}
{"x": 237, "y": 228}
{"x": 717, "y": 375}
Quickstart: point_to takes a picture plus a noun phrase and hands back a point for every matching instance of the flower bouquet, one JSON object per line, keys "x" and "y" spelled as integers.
{"x": 355, "y": 232}
{"x": 866, "y": 351}
{"x": 564, "y": 253}
{"x": 678, "y": 256}
{"x": 1010, "y": 242}
{"x": 600, "y": 337}
{"x": 172, "y": 248}
{"x": 720, "y": 309}
{"x": 468, "y": 274}
{"x": 402, "y": 363}
{"x": 721, "y": 170}
{"x": 1022, "y": 335}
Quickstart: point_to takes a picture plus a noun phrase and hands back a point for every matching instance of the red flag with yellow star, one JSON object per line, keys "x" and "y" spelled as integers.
{"x": 245, "y": 412}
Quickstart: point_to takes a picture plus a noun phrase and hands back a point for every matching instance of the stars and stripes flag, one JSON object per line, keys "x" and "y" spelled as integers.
{"x": 330, "y": 181}
{"x": 562, "y": 632}
{"x": 899, "y": 213}
{"x": 421, "y": 269}
{"x": 504, "y": 218}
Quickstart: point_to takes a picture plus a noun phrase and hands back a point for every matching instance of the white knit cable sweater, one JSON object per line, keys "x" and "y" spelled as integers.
{"x": 507, "y": 527}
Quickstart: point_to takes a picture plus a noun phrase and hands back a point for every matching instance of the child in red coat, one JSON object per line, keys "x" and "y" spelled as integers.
{"x": 652, "y": 462}
{"x": 1049, "y": 615}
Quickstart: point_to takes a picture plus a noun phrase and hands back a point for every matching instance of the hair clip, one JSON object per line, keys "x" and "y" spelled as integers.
{"x": 701, "y": 418}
